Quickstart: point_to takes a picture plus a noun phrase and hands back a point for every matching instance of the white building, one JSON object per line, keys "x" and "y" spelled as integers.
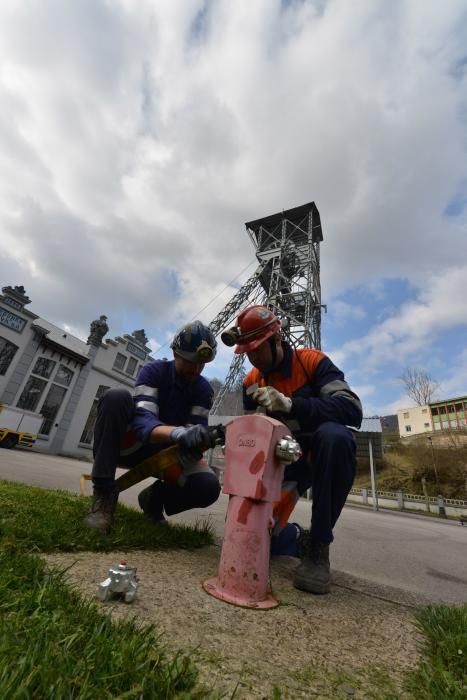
{"x": 414, "y": 421}
{"x": 46, "y": 370}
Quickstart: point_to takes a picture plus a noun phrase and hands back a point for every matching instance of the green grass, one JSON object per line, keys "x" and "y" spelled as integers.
{"x": 36, "y": 519}
{"x": 442, "y": 672}
{"x": 53, "y": 644}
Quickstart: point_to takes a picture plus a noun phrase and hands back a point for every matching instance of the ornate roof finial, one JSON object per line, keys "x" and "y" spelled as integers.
{"x": 140, "y": 337}
{"x": 98, "y": 329}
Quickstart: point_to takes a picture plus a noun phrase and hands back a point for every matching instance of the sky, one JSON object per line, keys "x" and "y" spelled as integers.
{"x": 137, "y": 138}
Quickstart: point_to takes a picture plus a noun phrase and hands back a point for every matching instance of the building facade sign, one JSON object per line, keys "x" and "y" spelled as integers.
{"x": 131, "y": 347}
{"x": 12, "y": 321}
{"x": 12, "y": 302}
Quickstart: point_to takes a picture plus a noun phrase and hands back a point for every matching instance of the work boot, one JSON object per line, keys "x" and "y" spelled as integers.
{"x": 303, "y": 542}
{"x": 314, "y": 573}
{"x": 100, "y": 517}
{"x": 150, "y": 502}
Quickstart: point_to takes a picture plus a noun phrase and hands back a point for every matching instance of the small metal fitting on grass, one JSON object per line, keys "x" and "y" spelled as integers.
{"x": 121, "y": 582}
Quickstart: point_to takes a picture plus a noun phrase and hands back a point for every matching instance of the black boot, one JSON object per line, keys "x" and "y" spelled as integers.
{"x": 150, "y": 502}
{"x": 314, "y": 573}
{"x": 100, "y": 517}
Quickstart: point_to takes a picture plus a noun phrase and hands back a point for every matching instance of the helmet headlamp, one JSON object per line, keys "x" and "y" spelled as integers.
{"x": 230, "y": 336}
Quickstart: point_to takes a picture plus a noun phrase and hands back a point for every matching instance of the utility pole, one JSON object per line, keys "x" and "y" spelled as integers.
{"x": 430, "y": 440}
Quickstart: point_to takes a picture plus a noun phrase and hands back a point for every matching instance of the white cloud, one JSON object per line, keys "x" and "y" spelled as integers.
{"x": 441, "y": 305}
{"x": 455, "y": 383}
{"x": 135, "y": 140}
{"x": 344, "y": 312}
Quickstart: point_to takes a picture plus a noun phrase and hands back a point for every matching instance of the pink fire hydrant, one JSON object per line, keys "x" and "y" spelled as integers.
{"x": 257, "y": 448}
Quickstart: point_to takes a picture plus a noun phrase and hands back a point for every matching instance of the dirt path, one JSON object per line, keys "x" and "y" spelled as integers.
{"x": 347, "y": 644}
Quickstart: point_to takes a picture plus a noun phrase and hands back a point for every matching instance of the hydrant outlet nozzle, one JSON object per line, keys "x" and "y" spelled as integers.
{"x": 288, "y": 450}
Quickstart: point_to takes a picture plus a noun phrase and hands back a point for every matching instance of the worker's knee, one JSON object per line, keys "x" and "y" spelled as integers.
{"x": 335, "y": 437}
{"x": 206, "y": 489}
{"x": 116, "y": 400}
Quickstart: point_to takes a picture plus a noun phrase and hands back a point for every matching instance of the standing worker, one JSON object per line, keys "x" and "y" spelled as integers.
{"x": 170, "y": 405}
{"x": 306, "y": 391}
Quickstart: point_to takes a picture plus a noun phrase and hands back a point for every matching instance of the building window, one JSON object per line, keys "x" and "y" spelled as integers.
{"x": 408, "y": 428}
{"x": 7, "y": 353}
{"x": 120, "y": 361}
{"x": 31, "y": 394}
{"x": 427, "y": 425}
{"x": 442, "y": 410}
{"x": 451, "y": 409}
{"x": 88, "y": 430}
{"x": 406, "y": 415}
{"x": 44, "y": 367}
{"x": 458, "y": 407}
{"x": 50, "y": 407}
{"x": 132, "y": 362}
{"x": 64, "y": 376}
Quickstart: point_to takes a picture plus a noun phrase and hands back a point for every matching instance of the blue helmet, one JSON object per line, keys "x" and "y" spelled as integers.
{"x": 195, "y": 343}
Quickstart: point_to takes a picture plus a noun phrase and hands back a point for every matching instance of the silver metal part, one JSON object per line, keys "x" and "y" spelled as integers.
{"x": 121, "y": 582}
{"x": 288, "y": 450}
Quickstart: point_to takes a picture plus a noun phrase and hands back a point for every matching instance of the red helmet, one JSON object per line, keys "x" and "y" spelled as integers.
{"x": 255, "y": 325}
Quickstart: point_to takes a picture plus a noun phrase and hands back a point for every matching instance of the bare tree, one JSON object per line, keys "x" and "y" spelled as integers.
{"x": 419, "y": 385}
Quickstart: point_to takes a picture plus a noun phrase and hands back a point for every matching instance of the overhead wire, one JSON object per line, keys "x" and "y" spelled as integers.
{"x": 210, "y": 302}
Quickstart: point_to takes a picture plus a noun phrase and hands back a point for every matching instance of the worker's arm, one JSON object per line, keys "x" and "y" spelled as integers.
{"x": 327, "y": 398}
{"x": 147, "y": 424}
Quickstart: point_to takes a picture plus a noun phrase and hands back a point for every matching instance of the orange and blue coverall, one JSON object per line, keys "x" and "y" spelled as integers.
{"x": 323, "y": 405}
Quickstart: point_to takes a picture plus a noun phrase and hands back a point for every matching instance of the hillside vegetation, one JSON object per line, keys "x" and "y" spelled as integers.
{"x": 444, "y": 469}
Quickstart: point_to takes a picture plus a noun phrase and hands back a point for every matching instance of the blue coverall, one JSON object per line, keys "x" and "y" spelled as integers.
{"x": 323, "y": 405}
{"x": 124, "y": 424}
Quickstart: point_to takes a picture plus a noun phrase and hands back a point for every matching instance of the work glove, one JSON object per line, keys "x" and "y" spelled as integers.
{"x": 194, "y": 438}
{"x": 272, "y": 400}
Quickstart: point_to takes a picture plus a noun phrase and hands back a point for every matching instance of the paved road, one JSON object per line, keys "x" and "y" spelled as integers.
{"x": 416, "y": 554}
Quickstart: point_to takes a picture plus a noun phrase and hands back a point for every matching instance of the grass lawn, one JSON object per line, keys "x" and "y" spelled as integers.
{"x": 442, "y": 673}
{"x": 37, "y": 519}
{"x": 54, "y": 645}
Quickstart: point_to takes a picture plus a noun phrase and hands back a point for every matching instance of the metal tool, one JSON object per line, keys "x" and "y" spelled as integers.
{"x": 121, "y": 582}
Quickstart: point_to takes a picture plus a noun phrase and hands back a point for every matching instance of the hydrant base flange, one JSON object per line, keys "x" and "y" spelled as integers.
{"x": 213, "y": 587}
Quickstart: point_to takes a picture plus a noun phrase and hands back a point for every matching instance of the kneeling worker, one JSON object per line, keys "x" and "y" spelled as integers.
{"x": 306, "y": 391}
{"x": 170, "y": 405}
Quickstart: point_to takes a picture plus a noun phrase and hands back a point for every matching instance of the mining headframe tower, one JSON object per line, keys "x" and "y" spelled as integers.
{"x": 287, "y": 280}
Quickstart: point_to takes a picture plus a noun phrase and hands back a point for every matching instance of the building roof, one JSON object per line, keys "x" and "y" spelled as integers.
{"x": 456, "y": 398}
{"x": 61, "y": 338}
{"x": 371, "y": 425}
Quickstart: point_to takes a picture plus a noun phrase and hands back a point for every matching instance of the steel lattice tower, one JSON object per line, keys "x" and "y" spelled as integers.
{"x": 287, "y": 280}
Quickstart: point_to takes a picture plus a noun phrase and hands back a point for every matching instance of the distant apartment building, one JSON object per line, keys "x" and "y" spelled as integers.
{"x": 450, "y": 414}
{"x": 46, "y": 371}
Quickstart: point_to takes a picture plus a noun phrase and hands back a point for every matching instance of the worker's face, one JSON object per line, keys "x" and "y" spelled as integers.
{"x": 186, "y": 370}
{"x": 261, "y": 357}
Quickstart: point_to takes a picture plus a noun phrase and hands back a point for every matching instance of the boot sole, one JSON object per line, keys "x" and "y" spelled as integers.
{"x": 315, "y": 588}
{"x": 92, "y": 526}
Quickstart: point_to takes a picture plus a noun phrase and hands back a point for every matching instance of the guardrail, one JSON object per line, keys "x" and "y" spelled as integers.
{"x": 395, "y": 500}
{"x": 402, "y": 501}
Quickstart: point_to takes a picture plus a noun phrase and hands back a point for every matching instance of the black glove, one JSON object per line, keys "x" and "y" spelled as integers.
{"x": 195, "y": 438}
